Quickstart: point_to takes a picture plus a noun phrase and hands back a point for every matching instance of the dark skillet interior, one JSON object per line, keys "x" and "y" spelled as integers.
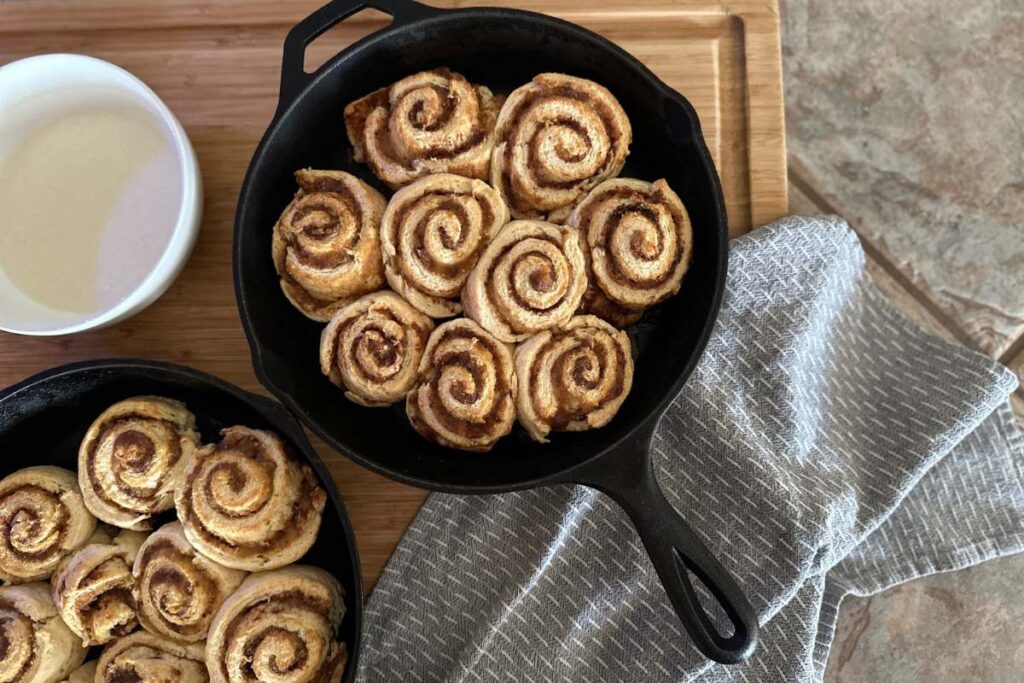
{"x": 43, "y": 420}
{"x": 501, "y": 49}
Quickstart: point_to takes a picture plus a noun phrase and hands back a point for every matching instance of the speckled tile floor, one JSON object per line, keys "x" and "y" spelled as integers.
{"x": 908, "y": 122}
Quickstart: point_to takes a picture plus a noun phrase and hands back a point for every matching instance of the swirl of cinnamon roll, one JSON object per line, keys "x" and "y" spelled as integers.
{"x": 640, "y": 240}
{"x": 465, "y": 393}
{"x": 573, "y": 378}
{"x": 432, "y": 234}
{"x": 326, "y": 246}
{"x": 372, "y": 348}
{"x": 530, "y": 278}
{"x": 132, "y": 459}
{"x": 249, "y": 503}
{"x": 596, "y": 302}
{"x": 35, "y": 645}
{"x": 43, "y": 519}
{"x": 147, "y": 658}
{"x": 177, "y": 589}
{"x": 279, "y": 626}
{"x": 93, "y": 589}
{"x": 430, "y": 122}
{"x": 556, "y": 138}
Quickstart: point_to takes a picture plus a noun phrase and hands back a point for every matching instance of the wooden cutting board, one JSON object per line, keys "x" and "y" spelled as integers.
{"x": 216, "y": 64}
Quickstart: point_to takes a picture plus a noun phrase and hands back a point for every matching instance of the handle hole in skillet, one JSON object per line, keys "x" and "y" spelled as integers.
{"x": 716, "y": 613}
{"x": 341, "y": 35}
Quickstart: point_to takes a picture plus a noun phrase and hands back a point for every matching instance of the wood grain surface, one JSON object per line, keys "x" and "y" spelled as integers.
{"x": 216, "y": 64}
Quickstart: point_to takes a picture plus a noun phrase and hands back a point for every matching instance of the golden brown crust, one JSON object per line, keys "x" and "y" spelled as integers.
{"x": 556, "y": 138}
{"x": 466, "y": 390}
{"x": 281, "y": 626}
{"x": 530, "y": 278}
{"x": 145, "y": 657}
{"x": 249, "y": 503}
{"x": 43, "y": 519}
{"x": 177, "y": 589}
{"x": 432, "y": 234}
{"x": 430, "y": 122}
{"x": 640, "y": 240}
{"x": 38, "y": 647}
{"x": 373, "y": 346}
{"x": 326, "y": 247}
{"x": 573, "y": 378}
{"x": 132, "y": 458}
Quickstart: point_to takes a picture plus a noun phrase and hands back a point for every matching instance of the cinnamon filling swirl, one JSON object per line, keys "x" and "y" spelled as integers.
{"x": 465, "y": 392}
{"x": 640, "y": 240}
{"x": 556, "y": 138}
{"x": 248, "y": 503}
{"x": 372, "y": 348}
{"x": 431, "y": 122}
{"x": 432, "y": 235}
{"x": 573, "y": 378}
{"x": 326, "y": 248}
{"x": 530, "y": 278}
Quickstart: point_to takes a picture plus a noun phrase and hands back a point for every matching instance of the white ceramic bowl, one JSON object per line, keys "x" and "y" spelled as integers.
{"x": 59, "y": 73}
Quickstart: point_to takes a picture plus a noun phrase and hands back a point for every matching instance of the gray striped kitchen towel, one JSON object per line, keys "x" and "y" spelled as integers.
{"x": 824, "y": 446}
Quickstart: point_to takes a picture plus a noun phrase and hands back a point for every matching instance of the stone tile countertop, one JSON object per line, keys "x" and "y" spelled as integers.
{"x": 906, "y": 118}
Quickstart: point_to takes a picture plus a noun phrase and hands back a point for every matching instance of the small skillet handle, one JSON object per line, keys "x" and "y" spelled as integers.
{"x": 293, "y": 76}
{"x": 628, "y": 476}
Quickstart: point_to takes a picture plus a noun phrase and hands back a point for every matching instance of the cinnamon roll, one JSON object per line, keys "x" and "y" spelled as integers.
{"x": 640, "y": 240}
{"x": 531, "y": 277}
{"x": 132, "y": 459}
{"x": 93, "y": 590}
{"x": 465, "y": 392}
{"x": 147, "y": 658}
{"x": 556, "y": 138}
{"x": 372, "y": 347}
{"x": 573, "y": 378}
{"x": 35, "y": 645}
{"x": 432, "y": 234}
{"x": 83, "y": 674}
{"x": 326, "y": 247}
{"x": 279, "y": 626}
{"x": 43, "y": 519}
{"x": 248, "y": 503}
{"x": 430, "y": 122}
{"x": 177, "y": 589}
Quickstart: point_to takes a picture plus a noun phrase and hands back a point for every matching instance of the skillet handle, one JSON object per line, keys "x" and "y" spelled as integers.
{"x": 628, "y": 476}
{"x": 293, "y": 75}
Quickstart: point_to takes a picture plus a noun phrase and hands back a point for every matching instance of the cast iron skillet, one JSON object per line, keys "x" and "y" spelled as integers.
{"x": 43, "y": 420}
{"x": 502, "y": 49}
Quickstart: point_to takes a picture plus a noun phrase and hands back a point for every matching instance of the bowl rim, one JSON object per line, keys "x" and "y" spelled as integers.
{"x": 186, "y": 228}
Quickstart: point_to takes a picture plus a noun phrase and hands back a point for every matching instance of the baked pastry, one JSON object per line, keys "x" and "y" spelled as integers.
{"x": 326, "y": 247}
{"x": 93, "y": 589}
{"x": 43, "y": 519}
{"x": 37, "y": 646}
{"x": 572, "y": 378}
{"x": 177, "y": 589}
{"x": 530, "y": 278}
{"x": 372, "y": 347}
{"x": 248, "y": 503}
{"x": 465, "y": 393}
{"x": 430, "y": 122}
{"x": 432, "y": 234}
{"x": 596, "y": 302}
{"x": 147, "y": 658}
{"x": 279, "y": 626}
{"x": 556, "y": 138}
{"x": 83, "y": 674}
{"x": 640, "y": 240}
{"x": 132, "y": 459}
